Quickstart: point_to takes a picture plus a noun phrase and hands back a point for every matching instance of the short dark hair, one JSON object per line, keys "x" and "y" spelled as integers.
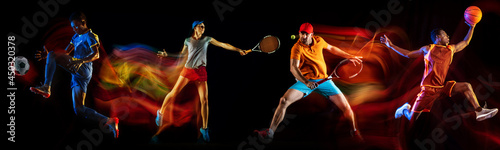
{"x": 80, "y": 16}
{"x": 434, "y": 33}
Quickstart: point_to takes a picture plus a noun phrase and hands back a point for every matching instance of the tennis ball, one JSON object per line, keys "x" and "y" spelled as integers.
{"x": 293, "y": 37}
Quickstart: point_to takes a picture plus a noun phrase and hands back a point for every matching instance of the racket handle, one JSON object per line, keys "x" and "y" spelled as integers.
{"x": 247, "y": 51}
{"x": 322, "y": 81}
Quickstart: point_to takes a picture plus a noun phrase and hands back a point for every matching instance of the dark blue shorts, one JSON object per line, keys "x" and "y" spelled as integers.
{"x": 82, "y": 77}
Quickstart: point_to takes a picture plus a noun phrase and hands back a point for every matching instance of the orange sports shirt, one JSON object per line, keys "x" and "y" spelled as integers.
{"x": 311, "y": 61}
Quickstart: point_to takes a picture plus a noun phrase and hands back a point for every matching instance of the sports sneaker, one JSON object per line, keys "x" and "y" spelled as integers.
{"x": 400, "y": 111}
{"x": 159, "y": 118}
{"x": 486, "y": 113}
{"x": 266, "y": 134}
{"x": 43, "y": 90}
{"x": 204, "y": 133}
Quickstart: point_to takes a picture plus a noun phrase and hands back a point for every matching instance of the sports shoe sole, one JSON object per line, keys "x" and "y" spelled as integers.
{"x": 487, "y": 116}
{"x": 38, "y": 91}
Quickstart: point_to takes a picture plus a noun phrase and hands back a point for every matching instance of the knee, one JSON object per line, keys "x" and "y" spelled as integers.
{"x": 468, "y": 86}
{"x": 175, "y": 92}
{"x": 78, "y": 96}
{"x": 204, "y": 101}
{"x": 171, "y": 95}
{"x": 168, "y": 96}
{"x": 79, "y": 110}
{"x": 345, "y": 108}
{"x": 348, "y": 111}
{"x": 51, "y": 54}
{"x": 284, "y": 102}
{"x": 464, "y": 86}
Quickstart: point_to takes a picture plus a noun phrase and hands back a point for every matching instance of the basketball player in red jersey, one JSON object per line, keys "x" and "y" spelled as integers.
{"x": 438, "y": 57}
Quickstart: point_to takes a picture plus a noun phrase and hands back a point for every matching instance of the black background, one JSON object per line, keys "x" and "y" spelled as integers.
{"x": 244, "y": 90}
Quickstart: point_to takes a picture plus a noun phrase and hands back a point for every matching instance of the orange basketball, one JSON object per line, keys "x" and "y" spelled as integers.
{"x": 473, "y": 14}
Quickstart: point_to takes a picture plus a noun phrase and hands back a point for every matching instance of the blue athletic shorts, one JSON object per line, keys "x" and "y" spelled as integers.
{"x": 326, "y": 89}
{"x": 82, "y": 77}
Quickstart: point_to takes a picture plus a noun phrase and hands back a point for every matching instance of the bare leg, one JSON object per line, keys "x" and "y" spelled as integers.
{"x": 290, "y": 97}
{"x": 481, "y": 113}
{"x": 179, "y": 85}
{"x": 166, "y": 105}
{"x": 203, "y": 93}
{"x": 341, "y": 102}
{"x": 466, "y": 89}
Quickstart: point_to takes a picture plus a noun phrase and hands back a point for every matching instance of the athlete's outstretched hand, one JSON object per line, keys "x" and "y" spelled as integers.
{"x": 41, "y": 54}
{"x": 242, "y": 52}
{"x": 385, "y": 40}
{"x": 356, "y": 60}
{"x": 162, "y": 53}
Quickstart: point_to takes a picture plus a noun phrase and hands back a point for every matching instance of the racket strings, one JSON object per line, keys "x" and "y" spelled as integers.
{"x": 269, "y": 44}
{"x": 353, "y": 71}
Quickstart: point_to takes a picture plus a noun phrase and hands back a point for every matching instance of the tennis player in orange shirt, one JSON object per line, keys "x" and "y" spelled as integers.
{"x": 308, "y": 67}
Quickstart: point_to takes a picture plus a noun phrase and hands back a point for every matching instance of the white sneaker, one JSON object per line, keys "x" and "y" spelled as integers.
{"x": 486, "y": 114}
{"x": 400, "y": 110}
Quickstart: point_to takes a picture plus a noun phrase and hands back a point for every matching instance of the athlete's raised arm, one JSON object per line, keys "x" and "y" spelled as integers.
{"x": 401, "y": 51}
{"x": 462, "y": 44}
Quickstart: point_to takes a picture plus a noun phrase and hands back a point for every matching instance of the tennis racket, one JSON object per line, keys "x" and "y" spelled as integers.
{"x": 269, "y": 44}
{"x": 345, "y": 69}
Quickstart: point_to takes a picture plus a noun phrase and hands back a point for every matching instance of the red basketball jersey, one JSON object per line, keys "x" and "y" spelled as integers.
{"x": 437, "y": 62}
